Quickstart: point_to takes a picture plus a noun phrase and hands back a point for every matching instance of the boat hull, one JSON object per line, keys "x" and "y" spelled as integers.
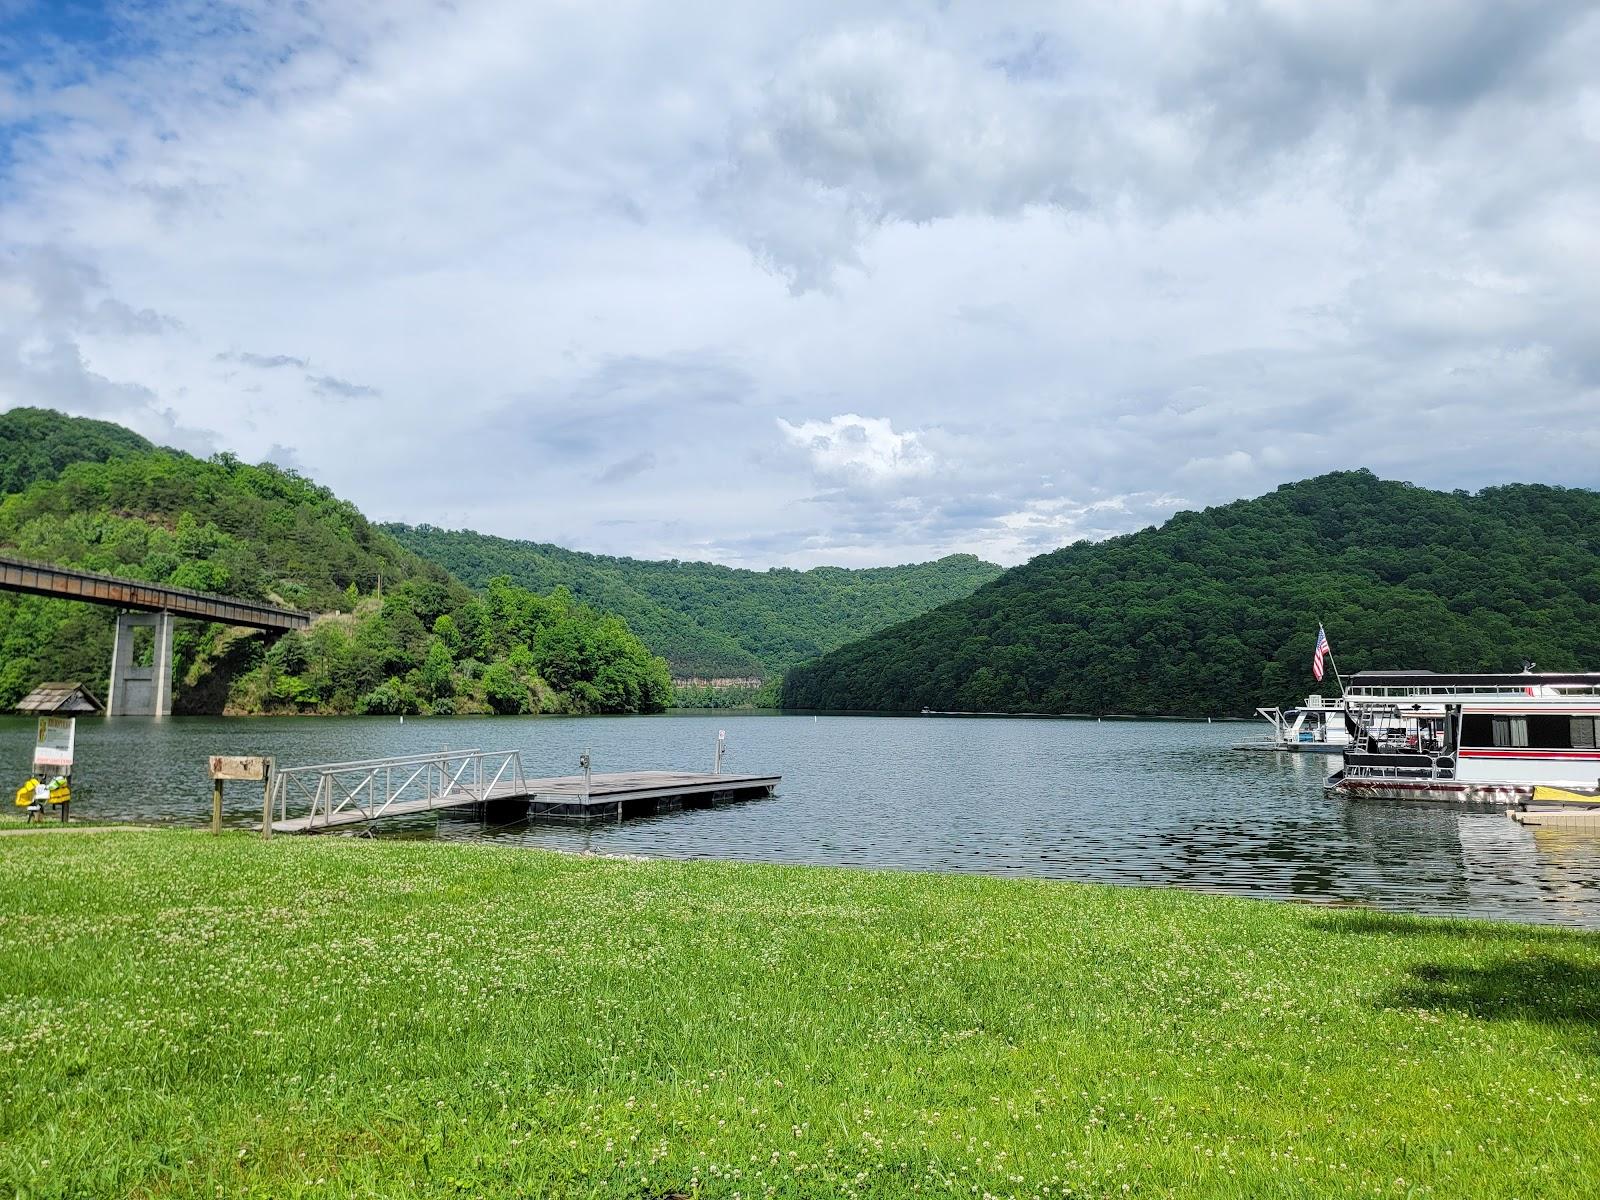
{"x": 1434, "y": 791}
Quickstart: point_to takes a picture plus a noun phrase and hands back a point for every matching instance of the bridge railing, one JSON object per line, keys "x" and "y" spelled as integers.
{"x": 47, "y": 579}
{"x": 375, "y": 786}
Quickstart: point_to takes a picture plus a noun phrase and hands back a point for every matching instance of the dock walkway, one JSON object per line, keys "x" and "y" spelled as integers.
{"x": 339, "y": 795}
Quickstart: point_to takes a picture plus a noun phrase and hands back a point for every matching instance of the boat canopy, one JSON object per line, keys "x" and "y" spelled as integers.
{"x": 1508, "y": 680}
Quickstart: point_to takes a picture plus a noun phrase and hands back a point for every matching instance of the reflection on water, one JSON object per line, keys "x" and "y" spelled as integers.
{"x": 1121, "y": 802}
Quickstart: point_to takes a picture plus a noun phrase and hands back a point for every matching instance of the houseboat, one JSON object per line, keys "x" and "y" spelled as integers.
{"x": 1473, "y": 738}
{"x": 1315, "y": 727}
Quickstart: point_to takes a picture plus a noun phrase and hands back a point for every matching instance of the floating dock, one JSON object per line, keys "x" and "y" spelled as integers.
{"x": 630, "y": 793}
{"x": 1561, "y": 807}
{"x": 1268, "y": 747}
{"x": 1558, "y": 818}
{"x": 340, "y": 795}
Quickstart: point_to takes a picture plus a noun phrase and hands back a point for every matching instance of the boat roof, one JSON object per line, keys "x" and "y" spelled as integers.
{"x": 1509, "y": 679}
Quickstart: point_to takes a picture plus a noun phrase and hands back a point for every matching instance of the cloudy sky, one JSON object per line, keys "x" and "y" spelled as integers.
{"x": 811, "y": 282}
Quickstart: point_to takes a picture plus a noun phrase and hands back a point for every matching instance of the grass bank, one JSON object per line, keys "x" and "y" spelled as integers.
{"x": 188, "y": 1016}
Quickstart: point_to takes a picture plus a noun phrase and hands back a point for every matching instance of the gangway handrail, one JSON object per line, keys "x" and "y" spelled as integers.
{"x": 380, "y": 762}
{"x": 442, "y": 775}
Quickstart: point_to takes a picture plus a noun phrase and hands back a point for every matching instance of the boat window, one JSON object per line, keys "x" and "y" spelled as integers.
{"x": 1541, "y": 731}
{"x": 1551, "y": 731}
{"x": 1511, "y": 731}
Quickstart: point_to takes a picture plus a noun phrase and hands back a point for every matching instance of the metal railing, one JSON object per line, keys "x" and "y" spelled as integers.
{"x": 1549, "y": 691}
{"x": 1433, "y": 770}
{"x": 47, "y": 579}
{"x": 374, "y": 786}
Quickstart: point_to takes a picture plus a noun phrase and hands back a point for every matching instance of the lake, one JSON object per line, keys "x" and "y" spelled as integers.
{"x": 1132, "y": 802}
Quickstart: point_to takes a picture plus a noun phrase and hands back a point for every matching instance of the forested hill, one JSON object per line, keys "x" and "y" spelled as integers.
{"x": 711, "y": 620}
{"x": 1216, "y": 612}
{"x": 37, "y": 444}
{"x": 393, "y": 633}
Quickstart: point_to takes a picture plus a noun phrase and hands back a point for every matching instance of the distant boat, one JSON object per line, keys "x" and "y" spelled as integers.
{"x": 1315, "y": 727}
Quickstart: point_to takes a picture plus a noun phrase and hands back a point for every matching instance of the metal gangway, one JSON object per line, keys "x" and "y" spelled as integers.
{"x": 306, "y": 799}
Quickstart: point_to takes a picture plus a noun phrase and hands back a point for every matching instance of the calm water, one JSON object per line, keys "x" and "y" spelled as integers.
{"x": 1120, "y": 802}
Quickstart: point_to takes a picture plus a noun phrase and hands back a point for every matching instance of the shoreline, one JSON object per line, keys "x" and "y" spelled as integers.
{"x": 740, "y": 711}
{"x": 361, "y": 835}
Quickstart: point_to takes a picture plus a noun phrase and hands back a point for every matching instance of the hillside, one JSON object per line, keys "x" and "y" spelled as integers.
{"x": 710, "y": 620}
{"x": 395, "y": 634}
{"x": 1215, "y": 612}
{"x": 37, "y": 444}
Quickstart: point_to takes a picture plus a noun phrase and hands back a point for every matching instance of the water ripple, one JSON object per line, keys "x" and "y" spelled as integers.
{"x": 1119, "y": 802}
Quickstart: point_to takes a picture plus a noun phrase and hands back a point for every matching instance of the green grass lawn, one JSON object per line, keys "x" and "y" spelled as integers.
{"x": 189, "y": 1016}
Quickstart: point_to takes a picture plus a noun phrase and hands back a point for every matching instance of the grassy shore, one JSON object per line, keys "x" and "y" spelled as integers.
{"x": 188, "y": 1016}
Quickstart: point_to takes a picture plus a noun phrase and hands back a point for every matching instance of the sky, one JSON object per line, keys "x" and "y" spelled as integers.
{"x": 812, "y": 282}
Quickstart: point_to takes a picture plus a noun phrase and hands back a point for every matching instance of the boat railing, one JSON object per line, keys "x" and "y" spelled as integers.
{"x": 1382, "y": 765}
{"x": 1423, "y": 691}
{"x": 1419, "y": 772}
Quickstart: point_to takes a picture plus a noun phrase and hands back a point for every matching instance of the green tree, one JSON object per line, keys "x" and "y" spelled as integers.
{"x": 438, "y": 671}
{"x": 504, "y": 690}
{"x": 118, "y": 505}
{"x": 1215, "y": 612}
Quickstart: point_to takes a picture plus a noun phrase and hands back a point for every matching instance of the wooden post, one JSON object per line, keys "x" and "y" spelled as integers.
{"x": 235, "y": 766}
{"x": 266, "y": 802}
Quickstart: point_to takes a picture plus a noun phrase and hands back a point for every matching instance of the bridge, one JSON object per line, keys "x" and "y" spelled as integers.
{"x": 338, "y": 795}
{"x": 141, "y": 665}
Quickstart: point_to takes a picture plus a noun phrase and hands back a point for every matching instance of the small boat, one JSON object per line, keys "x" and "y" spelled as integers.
{"x": 1315, "y": 727}
{"x": 1472, "y": 738}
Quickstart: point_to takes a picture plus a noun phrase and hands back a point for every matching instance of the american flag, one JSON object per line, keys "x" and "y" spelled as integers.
{"x": 1318, "y": 654}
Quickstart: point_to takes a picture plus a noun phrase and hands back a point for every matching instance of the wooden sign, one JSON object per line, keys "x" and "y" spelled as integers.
{"x": 237, "y": 766}
{"x": 54, "y": 745}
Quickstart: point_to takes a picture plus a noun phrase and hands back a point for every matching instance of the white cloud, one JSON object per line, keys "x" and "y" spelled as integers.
{"x": 446, "y": 257}
{"x": 859, "y": 449}
{"x": 873, "y": 125}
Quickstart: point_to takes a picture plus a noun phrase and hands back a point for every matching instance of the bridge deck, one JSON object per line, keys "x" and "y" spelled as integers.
{"x": 67, "y": 583}
{"x": 607, "y": 796}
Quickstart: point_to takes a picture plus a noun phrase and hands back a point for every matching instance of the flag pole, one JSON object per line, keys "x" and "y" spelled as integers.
{"x": 1331, "y": 661}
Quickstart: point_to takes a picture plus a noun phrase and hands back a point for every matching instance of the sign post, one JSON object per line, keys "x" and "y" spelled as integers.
{"x": 239, "y": 766}
{"x": 54, "y": 744}
{"x": 53, "y": 747}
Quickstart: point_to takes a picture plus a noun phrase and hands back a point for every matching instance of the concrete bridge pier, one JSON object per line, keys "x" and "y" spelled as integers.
{"x": 141, "y": 666}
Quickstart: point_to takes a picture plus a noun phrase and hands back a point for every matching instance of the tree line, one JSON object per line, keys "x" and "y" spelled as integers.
{"x": 1216, "y": 612}
{"x": 709, "y": 620}
{"x": 393, "y": 633}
